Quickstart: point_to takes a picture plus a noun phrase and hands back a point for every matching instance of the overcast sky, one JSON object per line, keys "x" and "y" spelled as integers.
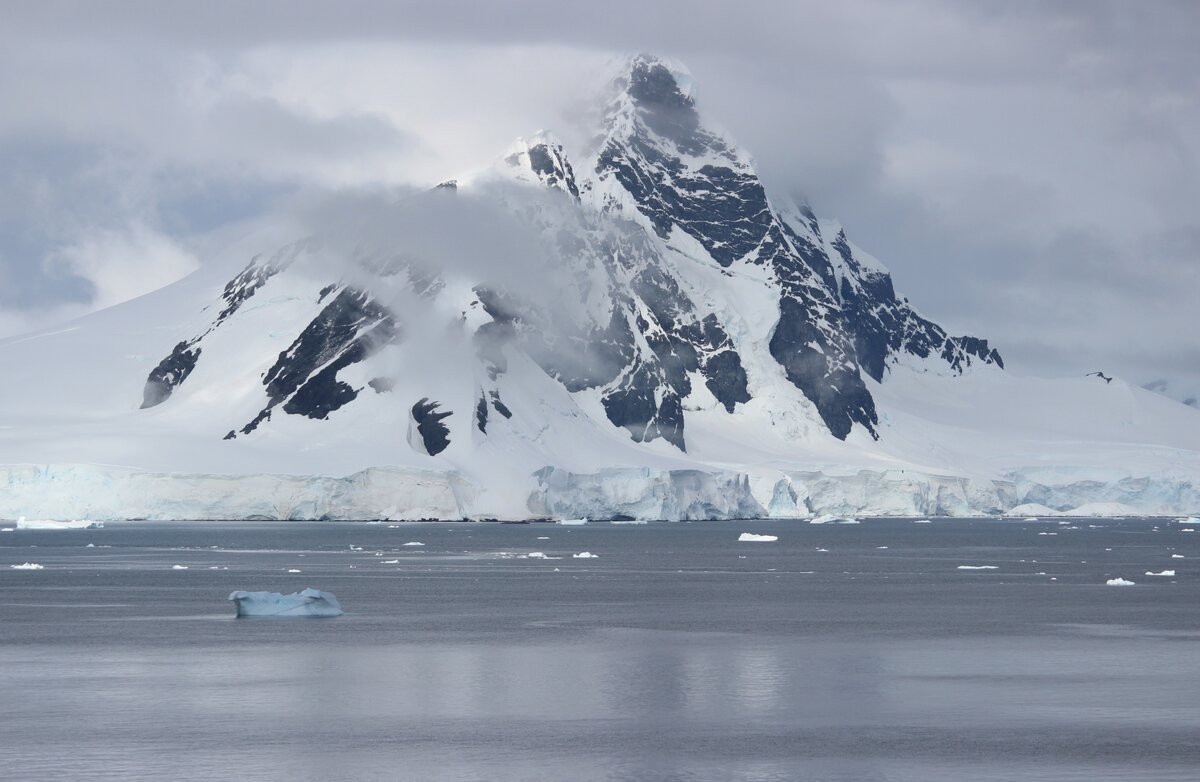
{"x": 1029, "y": 171}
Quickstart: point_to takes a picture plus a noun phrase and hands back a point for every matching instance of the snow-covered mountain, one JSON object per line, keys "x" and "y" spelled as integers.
{"x": 637, "y": 330}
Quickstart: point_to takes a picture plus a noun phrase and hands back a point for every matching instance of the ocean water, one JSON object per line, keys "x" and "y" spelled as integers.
{"x": 839, "y": 652}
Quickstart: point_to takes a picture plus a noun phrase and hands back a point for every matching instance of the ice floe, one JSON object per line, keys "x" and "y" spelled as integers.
{"x": 585, "y": 555}
{"x": 1118, "y": 582}
{"x": 750, "y": 537}
{"x": 978, "y": 567}
{"x": 1163, "y": 573}
{"x": 47, "y": 524}
{"x": 28, "y": 566}
{"x": 414, "y": 543}
{"x": 309, "y": 602}
{"x": 179, "y": 567}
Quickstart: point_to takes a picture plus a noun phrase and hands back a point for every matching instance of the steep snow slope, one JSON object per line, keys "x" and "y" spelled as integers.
{"x": 642, "y": 332}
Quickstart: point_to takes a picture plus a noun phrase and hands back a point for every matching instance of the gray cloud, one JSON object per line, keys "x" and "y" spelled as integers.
{"x": 1029, "y": 171}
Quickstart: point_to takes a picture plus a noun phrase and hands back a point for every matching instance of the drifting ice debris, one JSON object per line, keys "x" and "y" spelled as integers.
{"x": 28, "y": 566}
{"x": 310, "y": 602}
{"x": 293, "y": 570}
{"x": 573, "y": 522}
{"x": 24, "y": 523}
{"x": 977, "y": 567}
{"x": 750, "y": 537}
{"x": 1177, "y": 556}
{"x": 585, "y": 555}
{"x": 1118, "y": 582}
{"x": 179, "y": 567}
{"x": 414, "y": 543}
{"x": 1164, "y": 573}
{"x": 922, "y": 521}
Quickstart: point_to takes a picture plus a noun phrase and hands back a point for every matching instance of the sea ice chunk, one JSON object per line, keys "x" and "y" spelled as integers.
{"x": 24, "y": 523}
{"x": 750, "y": 537}
{"x": 179, "y": 567}
{"x": 1164, "y": 573}
{"x": 414, "y": 543}
{"x": 1177, "y": 556}
{"x": 1118, "y": 582}
{"x": 310, "y": 602}
{"x": 28, "y": 566}
{"x": 977, "y": 567}
{"x": 573, "y": 522}
{"x": 585, "y": 555}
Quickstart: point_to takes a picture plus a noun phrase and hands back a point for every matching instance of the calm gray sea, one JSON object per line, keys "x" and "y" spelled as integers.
{"x": 840, "y": 652}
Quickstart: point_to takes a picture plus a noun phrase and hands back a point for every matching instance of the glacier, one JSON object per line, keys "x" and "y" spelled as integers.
{"x": 308, "y": 602}
{"x": 652, "y": 334}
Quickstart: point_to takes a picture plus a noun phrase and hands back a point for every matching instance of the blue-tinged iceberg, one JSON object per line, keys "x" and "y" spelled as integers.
{"x": 310, "y": 602}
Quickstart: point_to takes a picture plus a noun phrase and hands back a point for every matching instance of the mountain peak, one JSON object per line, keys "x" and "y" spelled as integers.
{"x": 652, "y": 80}
{"x": 540, "y": 158}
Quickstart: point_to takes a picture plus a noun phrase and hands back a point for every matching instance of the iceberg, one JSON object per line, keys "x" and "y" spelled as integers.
{"x": 1118, "y": 582}
{"x": 750, "y": 537}
{"x": 573, "y": 522}
{"x": 586, "y": 555}
{"x": 24, "y": 523}
{"x": 977, "y": 567}
{"x": 310, "y": 602}
{"x": 1164, "y": 573}
{"x": 28, "y": 566}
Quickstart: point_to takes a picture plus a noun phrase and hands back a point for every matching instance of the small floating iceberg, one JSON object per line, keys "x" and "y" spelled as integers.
{"x": 1119, "y": 582}
{"x": 310, "y": 602}
{"x": 585, "y": 555}
{"x": 28, "y": 566}
{"x": 414, "y": 543}
{"x": 978, "y": 567}
{"x": 1167, "y": 573}
{"x": 750, "y": 537}
{"x": 573, "y": 522}
{"x": 46, "y": 524}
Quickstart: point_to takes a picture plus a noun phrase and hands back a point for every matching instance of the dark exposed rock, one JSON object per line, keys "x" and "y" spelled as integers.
{"x": 500, "y": 406}
{"x": 348, "y": 330}
{"x": 434, "y": 434}
{"x": 381, "y": 385}
{"x": 169, "y": 373}
{"x": 641, "y": 405}
{"x": 481, "y": 414}
{"x": 551, "y": 166}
